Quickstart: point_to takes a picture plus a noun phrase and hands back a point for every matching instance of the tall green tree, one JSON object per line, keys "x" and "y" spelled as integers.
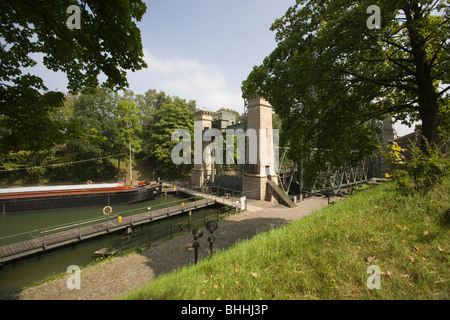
{"x": 107, "y": 42}
{"x": 174, "y": 114}
{"x": 331, "y": 74}
{"x": 129, "y": 128}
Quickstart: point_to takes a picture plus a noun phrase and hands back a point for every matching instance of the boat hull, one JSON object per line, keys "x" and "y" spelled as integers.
{"x": 79, "y": 200}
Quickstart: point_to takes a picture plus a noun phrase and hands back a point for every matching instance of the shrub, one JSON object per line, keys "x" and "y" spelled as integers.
{"x": 421, "y": 171}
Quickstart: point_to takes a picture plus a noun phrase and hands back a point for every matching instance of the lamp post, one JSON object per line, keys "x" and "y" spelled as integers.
{"x": 211, "y": 226}
{"x": 197, "y": 233}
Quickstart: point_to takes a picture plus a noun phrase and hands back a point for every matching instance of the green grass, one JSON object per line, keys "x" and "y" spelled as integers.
{"x": 326, "y": 255}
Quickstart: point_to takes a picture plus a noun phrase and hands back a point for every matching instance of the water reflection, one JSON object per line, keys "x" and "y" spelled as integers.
{"x": 16, "y": 275}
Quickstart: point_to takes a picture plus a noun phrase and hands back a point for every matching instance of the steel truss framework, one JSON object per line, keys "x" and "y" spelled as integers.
{"x": 335, "y": 181}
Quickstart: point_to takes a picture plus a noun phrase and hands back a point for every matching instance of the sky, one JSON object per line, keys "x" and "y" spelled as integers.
{"x": 201, "y": 50}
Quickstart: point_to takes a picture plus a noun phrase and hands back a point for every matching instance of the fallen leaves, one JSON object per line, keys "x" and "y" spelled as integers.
{"x": 387, "y": 273}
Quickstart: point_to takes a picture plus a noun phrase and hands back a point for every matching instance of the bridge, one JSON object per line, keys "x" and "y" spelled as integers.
{"x": 270, "y": 175}
{"x": 58, "y": 236}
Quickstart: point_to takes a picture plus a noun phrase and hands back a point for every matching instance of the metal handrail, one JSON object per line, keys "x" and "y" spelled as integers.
{"x": 78, "y": 224}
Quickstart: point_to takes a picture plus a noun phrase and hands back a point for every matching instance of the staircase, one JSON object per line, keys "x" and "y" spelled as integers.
{"x": 281, "y": 197}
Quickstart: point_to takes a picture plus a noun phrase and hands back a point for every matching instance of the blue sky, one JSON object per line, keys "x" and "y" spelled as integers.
{"x": 204, "y": 49}
{"x": 201, "y": 49}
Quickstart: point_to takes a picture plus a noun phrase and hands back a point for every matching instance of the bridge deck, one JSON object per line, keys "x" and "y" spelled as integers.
{"x": 51, "y": 241}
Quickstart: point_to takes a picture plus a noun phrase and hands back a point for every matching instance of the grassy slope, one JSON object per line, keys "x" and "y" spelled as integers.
{"x": 326, "y": 255}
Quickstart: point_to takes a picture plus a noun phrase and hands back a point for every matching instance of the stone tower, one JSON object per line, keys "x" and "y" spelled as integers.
{"x": 259, "y": 119}
{"x": 201, "y": 171}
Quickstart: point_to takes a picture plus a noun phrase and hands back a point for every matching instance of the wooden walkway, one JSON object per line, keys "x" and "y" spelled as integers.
{"x": 51, "y": 241}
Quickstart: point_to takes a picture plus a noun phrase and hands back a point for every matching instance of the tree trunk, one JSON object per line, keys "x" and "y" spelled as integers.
{"x": 429, "y": 113}
{"x": 428, "y": 107}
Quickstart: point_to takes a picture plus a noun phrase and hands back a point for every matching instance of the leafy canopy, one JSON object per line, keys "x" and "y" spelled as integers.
{"x": 331, "y": 78}
{"x": 107, "y": 44}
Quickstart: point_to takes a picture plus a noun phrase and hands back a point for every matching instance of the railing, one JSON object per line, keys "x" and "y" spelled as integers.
{"x": 169, "y": 229}
{"x": 43, "y": 233}
{"x": 214, "y": 190}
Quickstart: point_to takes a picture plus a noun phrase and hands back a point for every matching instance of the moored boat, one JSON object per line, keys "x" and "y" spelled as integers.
{"x": 75, "y": 196}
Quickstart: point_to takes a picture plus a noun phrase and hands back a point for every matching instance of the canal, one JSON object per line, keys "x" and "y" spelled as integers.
{"x": 15, "y": 275}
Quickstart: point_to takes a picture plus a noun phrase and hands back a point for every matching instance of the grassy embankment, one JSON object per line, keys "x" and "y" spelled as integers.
{"x": 326, "y": 255}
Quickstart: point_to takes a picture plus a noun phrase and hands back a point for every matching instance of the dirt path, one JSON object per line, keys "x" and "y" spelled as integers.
{"x": 112, "y": 278}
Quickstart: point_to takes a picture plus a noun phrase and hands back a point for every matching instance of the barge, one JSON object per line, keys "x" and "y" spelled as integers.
{"x": 75, "y": 196}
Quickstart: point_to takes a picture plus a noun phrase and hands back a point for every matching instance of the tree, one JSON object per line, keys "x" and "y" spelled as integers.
{"x": 330, "y": 75}
{"x": 108, "y": 123}
{"x": 108, "y": 42}
{"x": 129, "y": 128}
{"x": 174, "y": 114}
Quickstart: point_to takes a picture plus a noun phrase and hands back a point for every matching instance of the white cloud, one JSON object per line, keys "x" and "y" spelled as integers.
{"x": 188, "y": 79}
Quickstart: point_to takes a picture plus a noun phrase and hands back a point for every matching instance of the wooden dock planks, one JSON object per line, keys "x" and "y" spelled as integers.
{"x": 50, "y": 241}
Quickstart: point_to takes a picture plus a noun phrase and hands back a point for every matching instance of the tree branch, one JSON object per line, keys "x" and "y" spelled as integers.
{"x": 380, "y": 82}
{"x": 396, "y": 45}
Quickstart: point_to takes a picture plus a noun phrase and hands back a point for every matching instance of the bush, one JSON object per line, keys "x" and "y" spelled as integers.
{"x": 421, "y": 171}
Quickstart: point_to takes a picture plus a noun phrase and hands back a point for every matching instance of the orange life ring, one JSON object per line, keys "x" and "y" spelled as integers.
{"x": 107, "y": 213}
{"x": 89, "y": 182}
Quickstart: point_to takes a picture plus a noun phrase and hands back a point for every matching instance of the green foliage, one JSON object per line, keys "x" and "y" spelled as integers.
{"x": 394, "y": 157}
{"x": 421, "y": 171}
{"x": 174, "y": 114}
{"x": 26, "y": 121}
{"x": 103, "y": 123}
{"x": 330, "y": 76}
{"x": 108, "y": 43}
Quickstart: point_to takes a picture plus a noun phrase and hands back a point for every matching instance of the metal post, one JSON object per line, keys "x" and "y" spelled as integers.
{"x": 131, "y": 168}
{"x": 189, "y": 220}
{"x": 197, "y": 234}
{"x": 43, "y": 244}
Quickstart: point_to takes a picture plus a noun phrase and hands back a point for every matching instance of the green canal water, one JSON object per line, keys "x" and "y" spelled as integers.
{"x": 15, "y": 275}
